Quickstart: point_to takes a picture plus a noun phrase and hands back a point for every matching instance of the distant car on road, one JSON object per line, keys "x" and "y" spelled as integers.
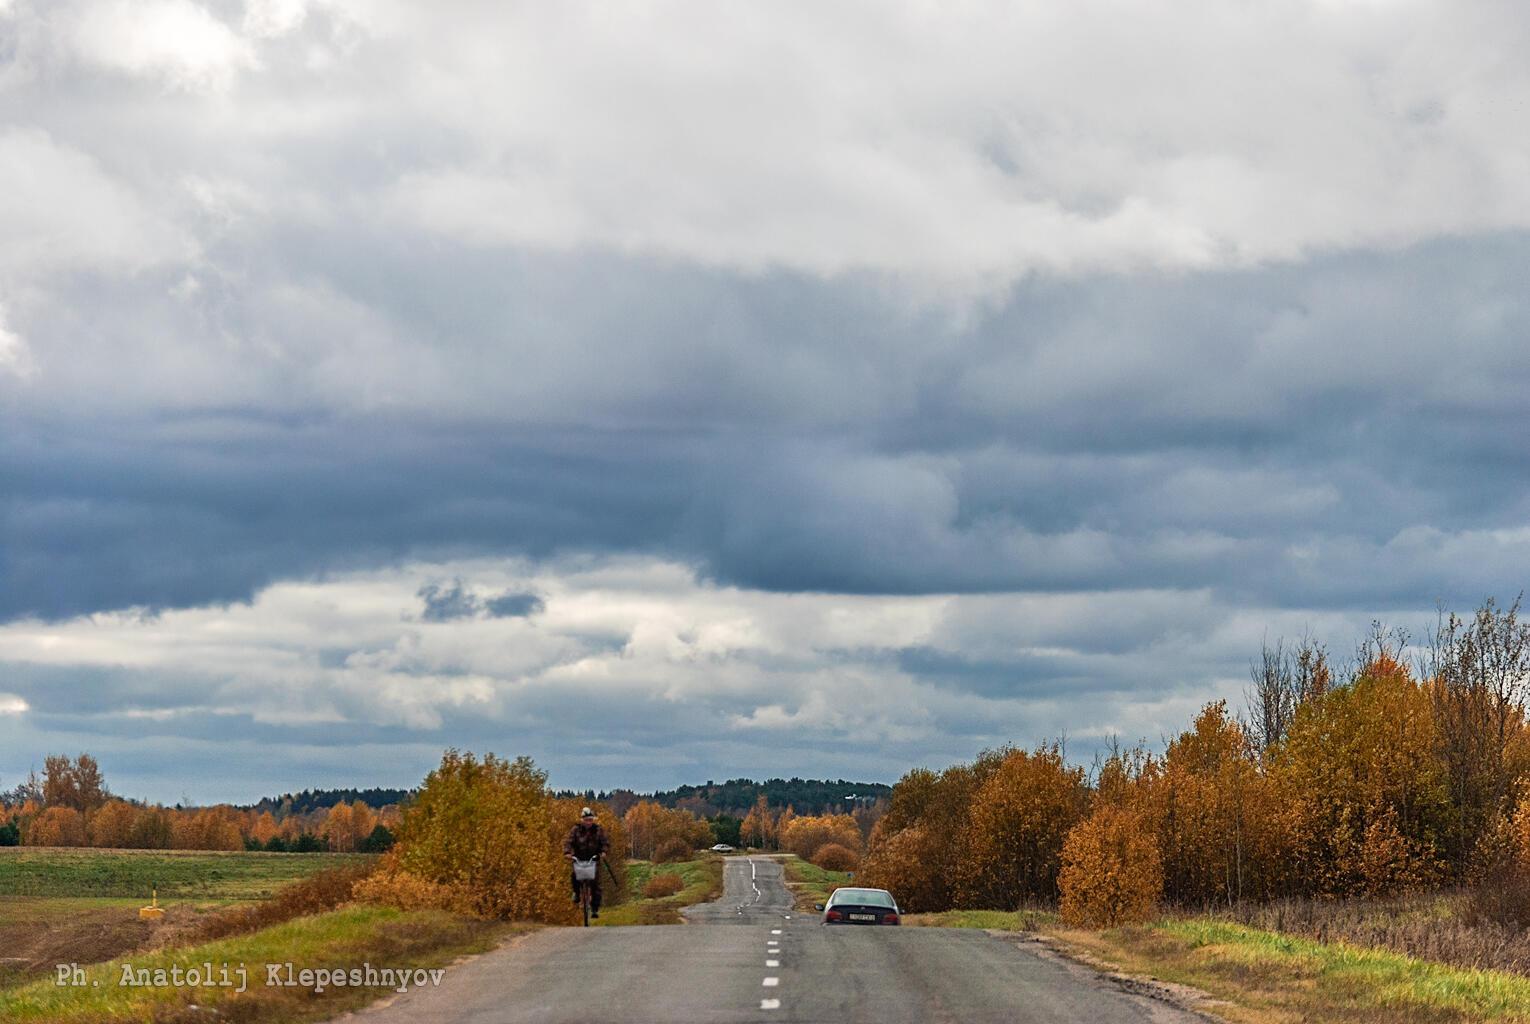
{"x": 722, "y": 848}
{"x": 859, "y": 906}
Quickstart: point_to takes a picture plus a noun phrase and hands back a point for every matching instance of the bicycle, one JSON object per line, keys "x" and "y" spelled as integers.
{"x": 584, "y": 874}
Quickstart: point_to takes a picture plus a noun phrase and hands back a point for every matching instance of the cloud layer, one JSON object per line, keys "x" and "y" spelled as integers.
{"x": 1205, "y": 320}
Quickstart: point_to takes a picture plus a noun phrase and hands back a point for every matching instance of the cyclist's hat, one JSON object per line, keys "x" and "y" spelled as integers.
{"x": 586, "y": 813}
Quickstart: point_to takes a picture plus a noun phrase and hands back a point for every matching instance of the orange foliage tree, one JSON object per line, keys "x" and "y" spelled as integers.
{"x": 1361, "y": 794}
{"x": 805, "y": 836}
{"x": 1011, "y": 847}
{"x": 57, "y": 826}
{"x": 1111, "y": 871}
{"x": 485, "y": 833}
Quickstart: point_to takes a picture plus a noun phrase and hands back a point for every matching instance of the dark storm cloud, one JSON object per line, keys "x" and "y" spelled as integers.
{"x": 1342, "y": 433}
{"x": 513, "y": 606}
{"x": 442, "y": 604}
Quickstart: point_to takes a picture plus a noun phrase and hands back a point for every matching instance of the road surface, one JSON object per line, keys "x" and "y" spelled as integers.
{"x": 749, "y": 957}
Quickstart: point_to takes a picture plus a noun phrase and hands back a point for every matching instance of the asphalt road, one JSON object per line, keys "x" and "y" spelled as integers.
{"x": 749, "y": 957}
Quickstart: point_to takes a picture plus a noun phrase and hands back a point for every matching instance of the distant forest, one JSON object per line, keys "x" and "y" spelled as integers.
{"x": 322, "y": 799}
{"x": 736, "y": 796}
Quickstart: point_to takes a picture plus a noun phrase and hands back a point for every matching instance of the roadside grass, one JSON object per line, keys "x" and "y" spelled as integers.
{"x": 809, "y": 883}
{"x": 702, "y": 879}
{"x": 991, "y": 920}
{"x": 343, "y": 938}
{"x": 1263, "y": 976}
{"x": 177, "y": 874}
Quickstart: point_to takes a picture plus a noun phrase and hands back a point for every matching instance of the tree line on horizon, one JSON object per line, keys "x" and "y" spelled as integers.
{"x": 71, "y": 805}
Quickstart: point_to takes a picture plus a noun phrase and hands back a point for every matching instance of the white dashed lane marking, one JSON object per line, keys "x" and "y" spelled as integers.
{"x": 772, "y": 963}
{"x": 770, "y": 1004}
{"x": 771, "y": 982}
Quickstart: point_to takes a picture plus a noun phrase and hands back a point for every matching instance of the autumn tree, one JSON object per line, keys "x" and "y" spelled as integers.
{"x": 77, "y": 784}
{"x": 1111, "y": 870}
{"x": 804, "y": 836}
{"x": 1362, "y": 796}
{"x": 759, "y": 827}
{"x": 57, "y": 826}
{"x": 111, "y": 825}
{"x": 1479, "y": 678}
{"x": 1011, "y": 847}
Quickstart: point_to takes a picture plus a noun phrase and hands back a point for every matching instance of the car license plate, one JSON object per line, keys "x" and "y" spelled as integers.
{"x": 861, "y": 917}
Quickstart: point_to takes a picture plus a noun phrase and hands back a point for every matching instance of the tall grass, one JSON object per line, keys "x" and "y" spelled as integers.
{"x": 1430, "y": 926}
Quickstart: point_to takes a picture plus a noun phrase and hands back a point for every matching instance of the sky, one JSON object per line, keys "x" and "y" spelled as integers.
{"x": 675, "y": 392}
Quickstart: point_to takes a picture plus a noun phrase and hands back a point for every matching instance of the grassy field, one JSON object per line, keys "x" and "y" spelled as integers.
{"x": 178, "y": 874}
{"x": 342, "y": 938}
{"x": 702, "y": 879}
{"x": 810, "y": 883}
{"x": 81, "y": 906}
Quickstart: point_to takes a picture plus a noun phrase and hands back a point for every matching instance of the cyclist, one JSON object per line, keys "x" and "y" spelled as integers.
{"x": 587, "y": 841}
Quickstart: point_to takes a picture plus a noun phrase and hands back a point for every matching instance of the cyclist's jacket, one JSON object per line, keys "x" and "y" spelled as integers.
{"x": 586, "y": 841}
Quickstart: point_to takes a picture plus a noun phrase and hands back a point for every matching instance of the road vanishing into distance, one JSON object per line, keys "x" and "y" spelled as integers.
{"x": 750, "y": 957}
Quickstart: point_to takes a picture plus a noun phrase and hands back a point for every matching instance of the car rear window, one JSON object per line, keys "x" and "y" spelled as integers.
{"x": 863, "y": 897}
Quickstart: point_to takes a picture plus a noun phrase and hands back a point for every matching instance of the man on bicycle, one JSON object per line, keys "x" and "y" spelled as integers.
{"x": 587, "y": 841}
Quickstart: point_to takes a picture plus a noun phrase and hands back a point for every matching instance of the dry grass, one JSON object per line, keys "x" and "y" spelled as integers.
{"x": 1441, "y": 927}
{"x": 661, "y": 885}
{"x": 1262, "y": 977}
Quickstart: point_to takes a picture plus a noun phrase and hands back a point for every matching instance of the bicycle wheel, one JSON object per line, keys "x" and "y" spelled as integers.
{"x": 584, "y": 901}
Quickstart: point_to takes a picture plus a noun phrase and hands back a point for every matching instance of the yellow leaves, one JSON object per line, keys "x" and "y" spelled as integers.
{"x": 1012, "y": 842}
{"x": 805, "y": 836}
{"x": 487, "y": 832}
{"x": 654, "y": 829}
{"x": 1111, "y": 871}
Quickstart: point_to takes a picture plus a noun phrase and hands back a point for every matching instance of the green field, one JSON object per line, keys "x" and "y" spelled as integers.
{"x": 177, "y": 874}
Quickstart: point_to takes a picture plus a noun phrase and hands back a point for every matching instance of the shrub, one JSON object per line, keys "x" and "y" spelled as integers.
{"x": 665, "y": 884}
{"x": 486, "y": 829}
{"x": 1500, "y": 874}
{"x": 672, "y": 850}
{"x": 321, "y": 891}
{"x": 834, "y": 857}
{"x": 1111, "y": 872}
{"x": 391, "y": 887}
{"x": 907, "y": 864}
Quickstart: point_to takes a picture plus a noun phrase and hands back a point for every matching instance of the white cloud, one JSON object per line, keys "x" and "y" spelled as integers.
{"x": 15, "y": 357}
{"x": 982, "y": 141}
{"x": 271, "y": 18}
{"x": 63, "y": 212}
{"x": 970, "y": 144}
{"x": 176, "y": 41}
{"x": 10, "y": 704}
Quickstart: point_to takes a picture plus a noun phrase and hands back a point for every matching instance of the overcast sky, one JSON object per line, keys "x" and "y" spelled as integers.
{"x": 680, "y": 391}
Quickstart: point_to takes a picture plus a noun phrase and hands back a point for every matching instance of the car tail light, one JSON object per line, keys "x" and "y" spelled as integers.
{"x": 832, "y": 915}
{"x": 890, "y": 919}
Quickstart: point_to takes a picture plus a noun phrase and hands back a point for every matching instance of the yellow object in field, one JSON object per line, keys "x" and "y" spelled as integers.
{"x": 153, "y": 911}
